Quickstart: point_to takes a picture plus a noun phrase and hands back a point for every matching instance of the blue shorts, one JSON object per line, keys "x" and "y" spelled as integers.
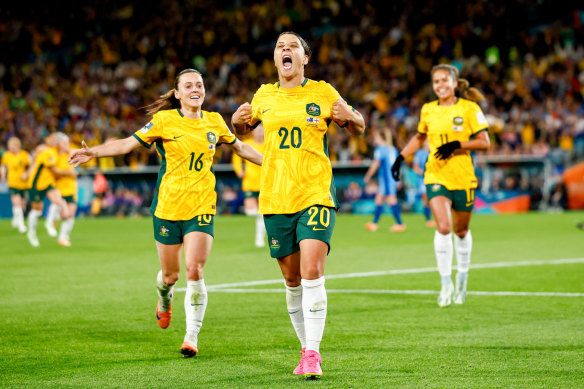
{"x": 387, "y": 186}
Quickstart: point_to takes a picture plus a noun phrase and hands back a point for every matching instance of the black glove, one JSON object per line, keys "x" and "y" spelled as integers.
{"x": 447, "y": 149}
{"x": 395, "y": 168}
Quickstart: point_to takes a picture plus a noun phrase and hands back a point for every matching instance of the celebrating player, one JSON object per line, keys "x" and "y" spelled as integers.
{"x": 453, "y": 126}
{"x": 184, "y": 203}
{"x": 384, "y": 156}
{"x": 13, "y": 167}
{"x": 297, "y": 193}
{"x": 66, "y": 177}
{"x": 249, "y": 174}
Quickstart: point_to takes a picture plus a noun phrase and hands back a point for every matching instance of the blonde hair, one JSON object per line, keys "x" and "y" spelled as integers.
{"x": 167, "y": 100}
{"x": 463, "y": 85}
{"x": 14, "y": 140}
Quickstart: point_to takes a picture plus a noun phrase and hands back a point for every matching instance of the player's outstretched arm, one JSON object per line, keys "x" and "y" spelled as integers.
{"x": 247, "y": 152}
{"x": 109, "y": 149}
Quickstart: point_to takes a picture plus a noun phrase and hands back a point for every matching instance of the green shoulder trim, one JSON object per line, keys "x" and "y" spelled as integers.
{"x": 142, "y": 142}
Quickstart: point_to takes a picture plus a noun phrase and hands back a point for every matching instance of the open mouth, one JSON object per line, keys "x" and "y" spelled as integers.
{"x": 287, "y": 62}
{"x": 195, "y": 97}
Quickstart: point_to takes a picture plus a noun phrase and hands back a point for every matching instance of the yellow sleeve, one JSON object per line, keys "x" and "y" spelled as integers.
{"x": 478, "y": 121}
{"x": 256, "y": 106}
{"x": 225, "y": 134}
{"x": 423, "y": 125}
{"x": 150, "y": 132}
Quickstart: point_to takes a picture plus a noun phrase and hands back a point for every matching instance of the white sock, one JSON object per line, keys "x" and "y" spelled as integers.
{"x": 294, "y": 304}
{"x": 18, "y": 216}
{"x": 260, "y": 232}
{"x": 66, "y": 228}
{"x": 251, "y": 212}
{"x": 33, "y": 219}
{"x": 314, "y": 306}
{"x": 164, "y": 293}
{"x": 463, "y": 248}
{"x": 195, "y": 306}
{"x": 52, "y": 214}
{"x": 443, "y": 250}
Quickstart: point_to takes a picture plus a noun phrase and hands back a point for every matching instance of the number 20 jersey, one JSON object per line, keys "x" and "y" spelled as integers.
{"x": 296, "y": 170}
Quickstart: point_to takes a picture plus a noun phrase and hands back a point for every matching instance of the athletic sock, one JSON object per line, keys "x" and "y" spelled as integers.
{"x": 260, "y": 231}
{"x": 294, "y": 305}
{"x": 463, "y": 248}
{"x": 66, "y": 228}
{"x": 377, "y": 213}
{"x": 396, "y": 213}
{"x": 195, "y": 306}
{"x": 314, "y": 306}
{"x": 52, "y": 214}
{"x": 18, "y": 216}
{"x": 33, "y": 219}
{"x": 443, "y": 250}
{"x": 427, "y": 213}
{"x": 164, "y": 293}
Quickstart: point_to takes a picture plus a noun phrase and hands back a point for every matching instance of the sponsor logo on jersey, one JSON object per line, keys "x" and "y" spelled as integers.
{"x": 274, "y": 243}
{"x": 211, "y": 137}
{"x": 313, "y": 109}
{"x": 146, "y": 128}
{"x": 312, "y": 120}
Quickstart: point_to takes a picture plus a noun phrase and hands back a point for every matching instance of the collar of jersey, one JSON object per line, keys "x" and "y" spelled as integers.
{"x": 457, "y": 100}
{"x": 302, "y": 85}
{"x": 183, "y": 116}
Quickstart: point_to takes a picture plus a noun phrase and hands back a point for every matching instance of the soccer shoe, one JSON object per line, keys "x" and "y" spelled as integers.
{"x": 445, "y": 297}
{"x": 22, "y": 228}
{"x": 430, "y": 224}
{"x": 64, "y": 242}
{"x": 163, "y": 319}
{"x": 397, "y": 228}
{"x": 460, "y": 288}
{"x": 300, "y": 368}
{"x": 311, "y": 366}
{"x": 51, "y": 230}
{"x": 371, "y": 227}
{"x": 189, "y": 347}
{"x": 33, "y": 239}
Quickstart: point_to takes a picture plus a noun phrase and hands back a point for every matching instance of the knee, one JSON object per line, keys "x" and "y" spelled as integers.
{"x": 170, "y": 278}
{"x": 461, "y": 232}
{"x": 443, "y": 227}
{"x": 292, "y": 280}
{"x": 195, "y": 270}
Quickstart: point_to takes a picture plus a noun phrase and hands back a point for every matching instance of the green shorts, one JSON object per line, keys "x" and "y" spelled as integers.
{"x": 462, "y": 200}
{"x": 70, "y": 199}
{"x": 36, "y": 196}
{"x": 172, "y": 231}
{"x": 19, "y": 192}
{"x": 250, "y": 194}
{"x": 285, "y": 231}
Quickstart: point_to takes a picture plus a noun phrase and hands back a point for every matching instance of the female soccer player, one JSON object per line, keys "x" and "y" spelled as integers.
{"x": 13, "y": 167}
{"x": 249, "y": 174}
{"x": 453, "y": 126}
{"x": 184, "y": 203}
{"x": 66, "y": 181}
{"x": 384, "y": 156}
{"x": 297, "y": 193}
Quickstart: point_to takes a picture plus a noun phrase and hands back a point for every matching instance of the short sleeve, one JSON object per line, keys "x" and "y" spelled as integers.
{"x": 377, "y": 155}
{"x": 150, "y": 132}
{"x": 256, "y": 106}
{"x": 478, "y": 121}
{"x": 225, "y": 134}
{"x": 423, "y": 124}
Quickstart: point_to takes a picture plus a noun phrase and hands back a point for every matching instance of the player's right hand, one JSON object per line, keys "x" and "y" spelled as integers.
{"x": 243, "y": 114}
{"x": 81, "y": 155}
{"x": 395, "y": 168}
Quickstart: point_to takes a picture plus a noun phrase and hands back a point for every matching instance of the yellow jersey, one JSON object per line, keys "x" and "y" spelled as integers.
{"x": 186, "y": 185}
{"x": 67, "y": 185}
{"x": 457, "y": 122}
{"x": 16, "y": 166}
{"x": 251, "y": 179}
{"x": 296, "y": 171}
{"x": 42, "y": 177}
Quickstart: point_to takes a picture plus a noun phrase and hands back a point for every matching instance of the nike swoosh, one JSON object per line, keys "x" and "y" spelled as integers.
{"x": 157, "y": 317}
{"x": 316, "y": 310}
{"x": 318, "y": 229}
{"x": 265, "y": 110}
{"x": 176, "y": 137}
{"x": 192, "y": 305}
{"x": 291, "y": 313}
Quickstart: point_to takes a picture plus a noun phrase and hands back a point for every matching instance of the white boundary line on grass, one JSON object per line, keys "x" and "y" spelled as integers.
{"x": 234, "y": 287}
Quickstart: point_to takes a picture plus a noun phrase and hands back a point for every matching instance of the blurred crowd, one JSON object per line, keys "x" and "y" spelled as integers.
{"x": 89, "y": 72}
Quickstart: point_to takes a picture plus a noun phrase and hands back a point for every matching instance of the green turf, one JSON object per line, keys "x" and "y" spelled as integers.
{"x": 84, "y": 316}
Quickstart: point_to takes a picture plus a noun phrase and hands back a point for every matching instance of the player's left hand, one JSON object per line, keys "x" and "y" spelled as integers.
{"x": 341, "y": 112}
{"x": 447, "y": 149}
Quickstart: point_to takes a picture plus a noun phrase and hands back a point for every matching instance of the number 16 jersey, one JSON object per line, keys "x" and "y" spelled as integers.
{"x": 296, "y": 170}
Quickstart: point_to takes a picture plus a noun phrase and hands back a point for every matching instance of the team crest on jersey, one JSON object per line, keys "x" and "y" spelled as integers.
{"x": 274, "y": 243}
{"x": 313, "y": 109}
{"x": 457, "y": 121}
{"x": 146, "y": 128}
{"x": 211, "y": 137}
{"x": 163, "y": 231}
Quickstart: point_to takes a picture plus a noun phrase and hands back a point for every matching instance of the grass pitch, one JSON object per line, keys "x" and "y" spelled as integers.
{"x": 84, "y": 316}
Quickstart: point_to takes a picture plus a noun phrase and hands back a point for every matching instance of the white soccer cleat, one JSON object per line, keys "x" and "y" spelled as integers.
{"x": 33, "y": 239}
{"x": 445, "y": 297}
{"x": 460, "y": 289}
{"x": 51, "y": 230}
{"x": 22, "y": 228}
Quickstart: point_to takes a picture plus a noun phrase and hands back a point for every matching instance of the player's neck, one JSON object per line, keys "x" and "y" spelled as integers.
{"x": 291, "y": 82}
{"x": 448, "y": 101}
{"x": 191, "y": 113}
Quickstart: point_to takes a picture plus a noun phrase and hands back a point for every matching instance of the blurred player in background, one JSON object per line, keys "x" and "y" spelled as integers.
{"x": 13, "y": 167}
{"x": 41, "y": 180}
{"x": 184, "y": 203}
{"x": 297, "y": 193}
{"x": 249, "y": 173}
{"x": 453, "y": 126}
{"x": 66, "y": 182}
{"x": 384, "y": 156}
{"x": 419, "y": 166}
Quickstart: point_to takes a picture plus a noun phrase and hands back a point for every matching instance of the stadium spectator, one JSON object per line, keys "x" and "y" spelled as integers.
{"x": 183, "y": 212}
{"x": 296, "y": 182}
{"x": 453, "y": 126}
